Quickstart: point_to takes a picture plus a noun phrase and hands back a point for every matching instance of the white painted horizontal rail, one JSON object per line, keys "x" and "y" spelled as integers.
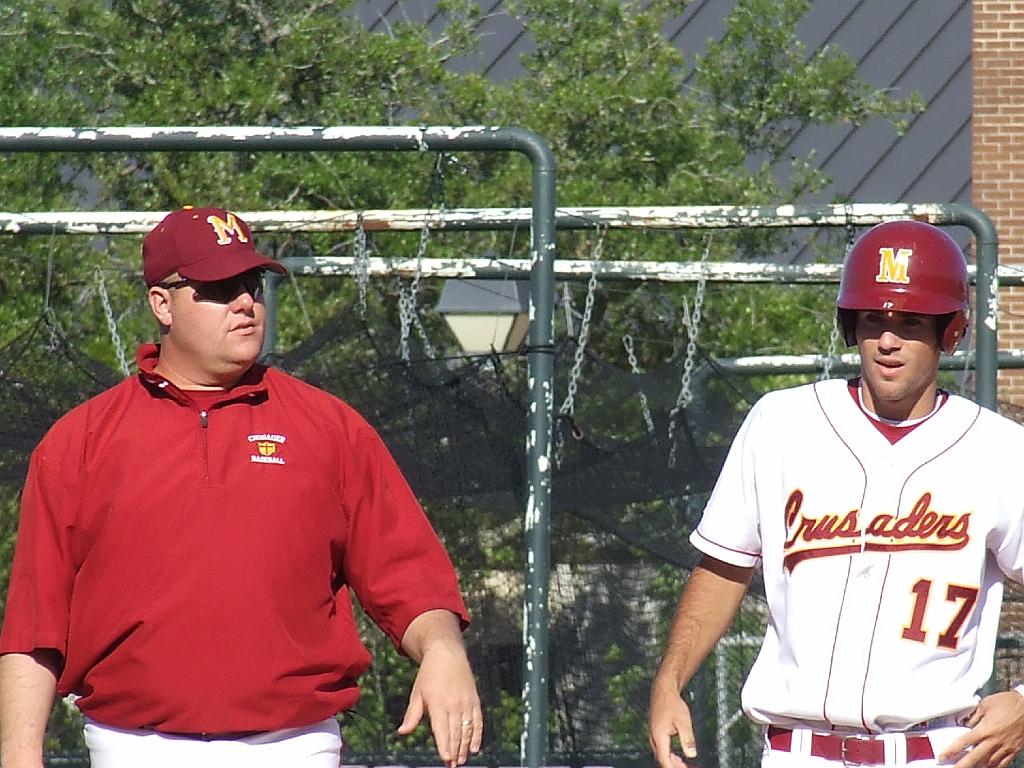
{"x": 605, "y": 269}
{"x": 412, "y": 219}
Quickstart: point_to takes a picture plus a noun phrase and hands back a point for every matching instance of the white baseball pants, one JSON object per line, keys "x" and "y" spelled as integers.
{"x": 315, "y": 746}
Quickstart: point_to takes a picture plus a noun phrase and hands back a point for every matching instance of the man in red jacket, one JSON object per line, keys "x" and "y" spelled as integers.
{"x": 189, "y": 539}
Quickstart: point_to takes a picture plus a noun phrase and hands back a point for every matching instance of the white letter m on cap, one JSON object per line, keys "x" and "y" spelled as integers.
{"x": 225, "y": 229}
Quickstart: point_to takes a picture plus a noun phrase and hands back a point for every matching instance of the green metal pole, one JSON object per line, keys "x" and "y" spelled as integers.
{"x": 540, "y": 355}
{"x": 540, "y": 367}
{"x": 540, "y": 372}
{"x": 986, "y": 320}
{"x": 270, "y": 283}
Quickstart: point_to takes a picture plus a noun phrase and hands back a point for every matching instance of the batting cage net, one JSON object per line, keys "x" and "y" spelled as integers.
{"x": 637, "y": 447}
{"x": 631, "y": 471}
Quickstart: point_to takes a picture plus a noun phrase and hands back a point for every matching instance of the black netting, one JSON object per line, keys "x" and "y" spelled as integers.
{"x": 623, "y": 505}
{"x": 42, "y": 375}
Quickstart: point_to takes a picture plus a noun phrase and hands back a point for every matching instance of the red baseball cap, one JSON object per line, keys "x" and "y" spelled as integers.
{"x": 202, "y": 244}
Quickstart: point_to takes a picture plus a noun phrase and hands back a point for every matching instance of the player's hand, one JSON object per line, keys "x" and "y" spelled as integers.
{"x": 996, "y": 735}
{"x": 444, "y": 689}
{"x": 670, "y": 717}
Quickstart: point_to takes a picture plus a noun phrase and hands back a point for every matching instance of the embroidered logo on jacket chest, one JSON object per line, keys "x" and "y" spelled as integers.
{"x": 266, "y": 448}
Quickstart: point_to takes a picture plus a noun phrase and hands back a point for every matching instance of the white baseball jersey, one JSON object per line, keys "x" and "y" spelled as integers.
{"x": 882, "y": 563}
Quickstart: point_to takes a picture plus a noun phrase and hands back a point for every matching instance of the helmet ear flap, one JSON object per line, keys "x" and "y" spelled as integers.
{"x": 848, "y": 325}
{"x": 956, "y": 328}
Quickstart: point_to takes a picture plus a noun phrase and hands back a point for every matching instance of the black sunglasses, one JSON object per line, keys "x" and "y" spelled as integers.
{"x": 223, "y": 291}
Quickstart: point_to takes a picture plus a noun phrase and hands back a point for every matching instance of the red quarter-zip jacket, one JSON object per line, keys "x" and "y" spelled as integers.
{"x": 193, "y": 567}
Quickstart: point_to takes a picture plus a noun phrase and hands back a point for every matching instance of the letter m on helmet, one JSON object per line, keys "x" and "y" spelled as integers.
{"x": 894, "y": 265}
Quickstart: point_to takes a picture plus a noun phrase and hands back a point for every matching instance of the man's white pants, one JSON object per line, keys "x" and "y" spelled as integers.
{"x": 315, "y": 746}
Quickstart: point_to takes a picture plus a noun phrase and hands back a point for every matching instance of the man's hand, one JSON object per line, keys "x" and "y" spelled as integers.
{"x": 444, "y": 687}
{"x": 996, "y": 735}
{"x": 670, "y": 717}
{"x": 710, "y": 600}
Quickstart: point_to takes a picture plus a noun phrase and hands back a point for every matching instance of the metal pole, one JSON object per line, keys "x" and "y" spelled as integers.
{"x": 650, "y": 217}
{"x": 987, "y": 301}
{"x": 849, "y": 363}
{"x": 543, "y": 218}
{"x": 540, "y": 367}
{"x": 540, "y": 373}
{"x": 472, "y": 219}
{"x": 270, "y": 284}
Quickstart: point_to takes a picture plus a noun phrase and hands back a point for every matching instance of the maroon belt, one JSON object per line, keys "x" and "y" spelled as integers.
{"x": 851, "y": 750}
{"x": 231, "y": 736}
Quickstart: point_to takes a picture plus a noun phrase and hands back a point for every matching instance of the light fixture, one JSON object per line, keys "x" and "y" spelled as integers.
{"x": 486, "y": 315}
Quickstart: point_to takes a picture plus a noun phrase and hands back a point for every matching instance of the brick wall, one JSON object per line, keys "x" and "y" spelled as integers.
{"x": 997, "y": 172}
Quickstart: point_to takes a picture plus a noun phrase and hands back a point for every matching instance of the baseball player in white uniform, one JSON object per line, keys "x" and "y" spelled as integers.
{"x": 884, "y": 514}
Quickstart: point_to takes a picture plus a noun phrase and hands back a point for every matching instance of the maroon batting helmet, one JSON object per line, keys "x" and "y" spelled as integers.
{"x": 906, "y": 266}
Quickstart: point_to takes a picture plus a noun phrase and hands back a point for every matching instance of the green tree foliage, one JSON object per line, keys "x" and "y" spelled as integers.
{"x": 631, "y": 120}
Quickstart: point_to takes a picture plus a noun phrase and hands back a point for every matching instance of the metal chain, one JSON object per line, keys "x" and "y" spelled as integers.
{"x": 362, "y": 264}
{"x": 302, "y": 302}
{"x": 568, "y": 407}
{"x": 52, "y": 323}
{"x": 833, "y": 337}
{"x": 428, "y": 348}
{"x": 685, "y": 396}
{"x": 627, "y": 342}
{"x": 407, "y": 297}
{"x": 567, "y": 308}
{"x": 436, "y": 186}
{"x": 54, "y": 327}
{"x": 569, "y": 404}
{"x": 115, "y": 337}
{"x": 830, "y": 354}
